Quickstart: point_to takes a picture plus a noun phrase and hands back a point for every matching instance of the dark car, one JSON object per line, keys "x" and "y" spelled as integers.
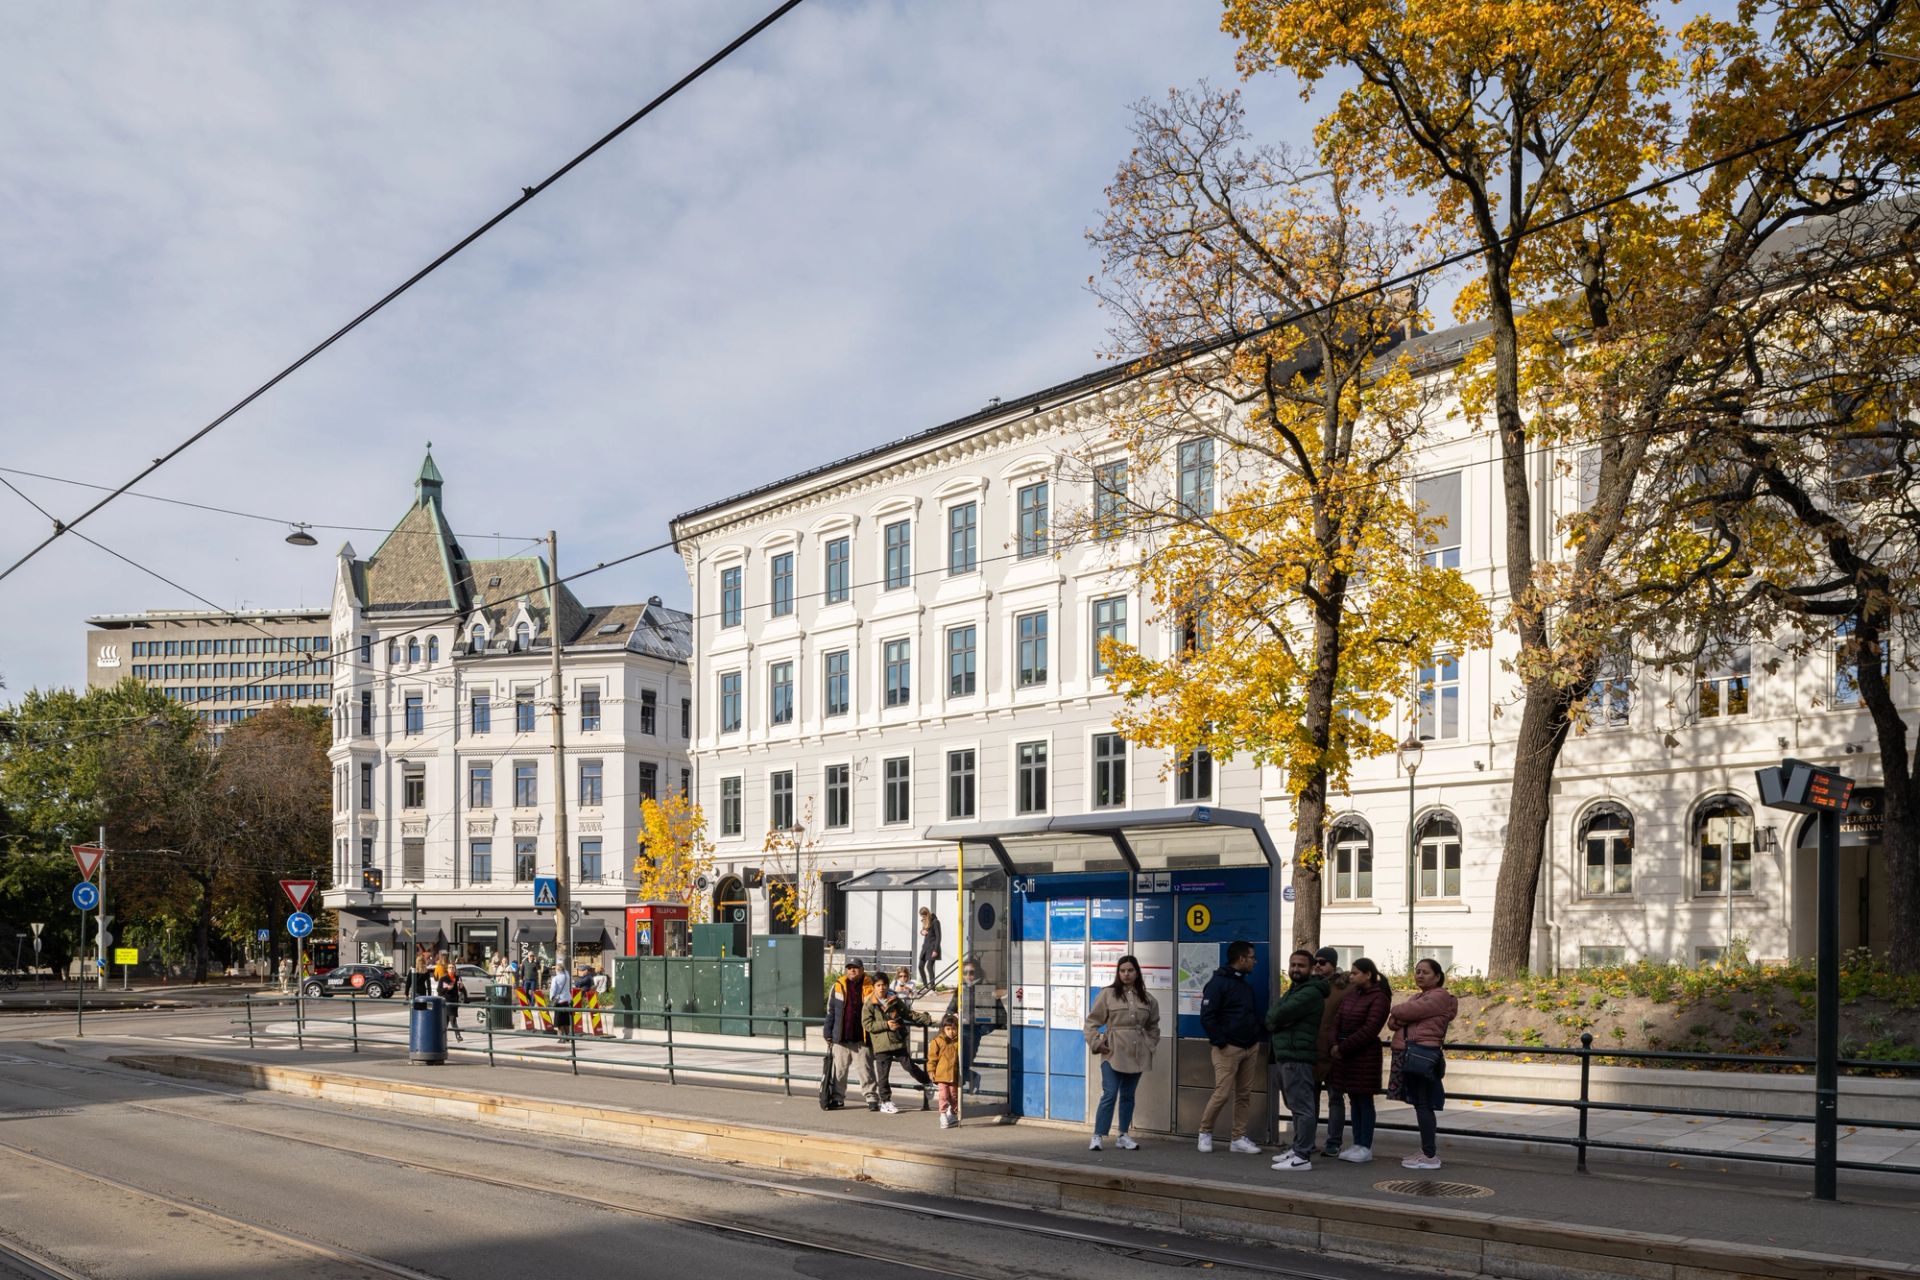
{"x": 374, "y": 980}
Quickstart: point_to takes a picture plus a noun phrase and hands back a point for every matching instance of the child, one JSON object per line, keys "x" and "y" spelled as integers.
{"x": 943, "y": 1065}
{"x": 885, "y": 1021}
{"x": 903, "y": 982}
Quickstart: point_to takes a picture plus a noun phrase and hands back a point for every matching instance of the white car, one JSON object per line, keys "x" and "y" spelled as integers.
{"x": 474, "y": 981}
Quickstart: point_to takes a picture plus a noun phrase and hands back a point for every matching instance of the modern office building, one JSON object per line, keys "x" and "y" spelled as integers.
{"x": 226, "y": 666}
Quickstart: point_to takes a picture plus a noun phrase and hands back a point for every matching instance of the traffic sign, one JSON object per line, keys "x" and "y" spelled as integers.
{"x": 546, "y": 892}
{"x": 299, "y": 924}
{"x": 126, "y": 955}
{"x": 37, "y": 926}
{"x": 88, "y": 856}
{"x": 86, "y": 896}
{"x": 262, "y": 934}
{"x": 298, "y": 891}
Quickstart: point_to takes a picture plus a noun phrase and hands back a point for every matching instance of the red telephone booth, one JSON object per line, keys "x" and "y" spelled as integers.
{"x": 658, "y": 929}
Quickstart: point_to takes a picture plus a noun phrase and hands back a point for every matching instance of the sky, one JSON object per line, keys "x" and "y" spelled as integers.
{"x": 869, "y": 221}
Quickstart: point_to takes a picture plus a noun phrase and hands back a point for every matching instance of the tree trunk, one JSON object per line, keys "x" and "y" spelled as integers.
{"x": 1310, "y": 805}
{"x": 1901, "y": 838}
{"x": 1543, "y": 731}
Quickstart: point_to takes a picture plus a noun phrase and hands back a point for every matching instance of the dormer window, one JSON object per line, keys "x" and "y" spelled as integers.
{"x": 522, "y": 638}
{"x": 477, "y": 639}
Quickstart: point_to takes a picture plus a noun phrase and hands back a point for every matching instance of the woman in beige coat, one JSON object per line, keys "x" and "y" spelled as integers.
{"x": 1122, "y": 1029}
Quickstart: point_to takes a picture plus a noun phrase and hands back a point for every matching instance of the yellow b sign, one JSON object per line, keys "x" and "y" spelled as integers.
{"x": 126, "y": 955}
{"x": 1198, "y": 917}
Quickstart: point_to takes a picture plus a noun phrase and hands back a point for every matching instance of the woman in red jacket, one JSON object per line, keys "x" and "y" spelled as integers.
{"x": 1419, "y": 1030}
{"x": 1355, "y": 1075}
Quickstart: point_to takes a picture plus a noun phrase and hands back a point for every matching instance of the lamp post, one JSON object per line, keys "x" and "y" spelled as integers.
{"x": 1410, "y": 753}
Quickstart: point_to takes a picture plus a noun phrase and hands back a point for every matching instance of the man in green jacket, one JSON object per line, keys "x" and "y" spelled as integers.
{"x": 1294, "y": 1022}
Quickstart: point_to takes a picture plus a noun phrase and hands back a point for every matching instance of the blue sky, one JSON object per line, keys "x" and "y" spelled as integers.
{"x": 870, "y": 221}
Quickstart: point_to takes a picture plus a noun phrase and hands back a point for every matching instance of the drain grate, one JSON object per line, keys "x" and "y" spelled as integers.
{"x": 1433, "y": 1190}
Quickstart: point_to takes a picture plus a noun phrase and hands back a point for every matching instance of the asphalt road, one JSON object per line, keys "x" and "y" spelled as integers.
{"x": 108, "y": 1174}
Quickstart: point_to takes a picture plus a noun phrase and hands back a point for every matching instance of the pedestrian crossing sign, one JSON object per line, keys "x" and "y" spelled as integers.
{"x": 546, "y": 892}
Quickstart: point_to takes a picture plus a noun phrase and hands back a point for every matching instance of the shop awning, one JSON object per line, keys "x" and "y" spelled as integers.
{"x": 429, "y": 932}
{"x": 590, "y": 929}
{"x": 533, "y": 931}
{"x": 358, "y": 929}
{"x": 1121, "y": 840}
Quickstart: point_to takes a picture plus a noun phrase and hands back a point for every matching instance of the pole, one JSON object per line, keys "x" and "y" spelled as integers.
{"x": 963, "y": 993}
{"x": 1413, "y": 865}
{"x": 1826, "y": 1052}
{"x": 100, "y": 918}
{"x": 562, "y": 902}
{"x": 80, "y": 987}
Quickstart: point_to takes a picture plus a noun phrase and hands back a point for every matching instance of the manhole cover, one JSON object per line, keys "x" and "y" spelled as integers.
{"x": 1434, "y": 1190}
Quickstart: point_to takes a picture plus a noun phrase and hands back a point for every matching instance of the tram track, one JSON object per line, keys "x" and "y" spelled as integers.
{"x": 18, "y": 1258}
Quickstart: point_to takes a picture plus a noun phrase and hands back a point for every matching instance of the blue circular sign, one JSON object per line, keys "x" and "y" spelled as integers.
{"x": 299, "y": 924}
{"x": 86, "y": 896}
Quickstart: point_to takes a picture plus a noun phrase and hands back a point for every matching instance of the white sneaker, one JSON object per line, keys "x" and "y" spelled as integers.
{"x": 947, "y": 1121}
{"x": 1356, "y": 1155}
{"x": 1420, "y": 1162}
{"x": 1206, "y": 1144}
{"x": 1095, "y": 1144}
{"x": 1291, "y": 1162}
{"x": 1126, "y": 1143}
{"x": 888, "y": 1109}
{"x": 1244, "y": 1146}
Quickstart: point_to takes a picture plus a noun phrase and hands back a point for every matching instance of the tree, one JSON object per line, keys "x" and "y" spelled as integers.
{"x": 675, "y": 858}
{"x": 1298, "y": 593}
{"x": 1518, "y": 120}
{"x": 793, "y": 875}
{"x": 273, "y": 780}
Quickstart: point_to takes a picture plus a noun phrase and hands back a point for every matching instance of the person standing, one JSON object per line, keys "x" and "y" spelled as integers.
{"x": 1326, "y": 966}
{"x": 943, "y": 1067}
{"x": 1294, "y": 1022}
{"x": 1355, "y": 1077}
{"x": 976, "y": 1016}
{"x": 885, "y": 1020}
{"x": 846, "y": 1039}
{"x": 1123, "y": 1029}
{"x": 560, "y": 997}
{"x": 1230, "y": 1015}
{"x": 929, "y": 946}
{"x": 447, "y": 987}
{"x": 1419, "y": 1063}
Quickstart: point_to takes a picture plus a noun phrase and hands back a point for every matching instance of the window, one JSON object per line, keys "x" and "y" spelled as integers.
{"x": 1602, "y": 957}
{"x": 780, "y": 693}
{"x": 480, "y": 713}
{"x": 524, "y": 860}
{"x": 961, "y": 674}
{"x": 480, "y": 861}
{"x": 1350, "y": 863}
{"x": 476, "y": 639}
{"x": 1109, "y": 499}
{"x": 480, "y": 786}
{"x": 780, "y": 800}
{"x": 1437, "y": 499}
{"x": 1724, "y": 683}
{"x": 522, "y": 637}
{"x": 686, "y": 783}
{"x": 686, "y": 717}
{"x": 838, "y": 683}
{"x": 416, "y": 715}
{"x": 590, "y": 784}
{"x": 413, "y": 860}
{"x": 1193, "y": 779}
{"x": 899, "y": 545}
{"x": 899, "y": 668}
{"x": 1196, "y": 477}
{"x": 839, "y": 570}
{"x": 1440, "y": 699}
{"x": 1846, "y": 664}
{"x": 963, "y": 538}
{"x": 896, "y": 790}
{"x": 589, "y": 708}
{"x": 366, "y": 787}
{"x": 649, "y": 782}
{"x": 961, "y": 776}
{"x": 590, "y": 861}
{"x": 1606, "y": 841}
{"x": 1725, "y": 833}
{"x": 523, "y": 711}
{"x": 730, "y": 597}
{"x": 782, "y": 585}
{"x": 393, "y": 653}
{"x": 730, "y": 816}
{"x": 1439, "y": 857}
{"x": 729, "y": 702}
{"x": 366, "y": 650}
{"x": 526, "y": 784}
{"x": 1032, "y": 502}
{"x": 433, "y": 648}
{"x": 839, "y": 788}
{"x": 1109, "y": 771}
{"x": 1030, "y": 765}
{"x": 1587, "y": 474}
{"x": 366, "y": 853}
{"x": 1109, "y": 621}
{"x": 366, "y": 713}
{"x": 649, "y": 714}
{"x": 1703, "y": 956}
{"x": 1032, "y": 630}
{"x": 1610, "y": 696}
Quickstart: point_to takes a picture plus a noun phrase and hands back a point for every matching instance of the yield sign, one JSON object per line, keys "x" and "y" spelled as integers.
{"x": 298, "y": 891}
{"x": 88, "y": 856}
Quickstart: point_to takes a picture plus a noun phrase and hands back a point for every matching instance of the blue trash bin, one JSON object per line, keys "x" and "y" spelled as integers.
{"x": 427, "y": 1031}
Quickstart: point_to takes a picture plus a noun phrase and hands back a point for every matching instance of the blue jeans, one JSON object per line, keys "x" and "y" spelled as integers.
{"x": 1363, "y": 1117}
{"x": 1115, "y": 1085}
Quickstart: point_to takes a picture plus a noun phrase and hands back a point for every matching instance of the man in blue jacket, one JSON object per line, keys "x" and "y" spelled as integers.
{"x": 1230, "y": 1015}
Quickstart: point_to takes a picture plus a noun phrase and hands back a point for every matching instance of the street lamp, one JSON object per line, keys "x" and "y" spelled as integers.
{"x": 299, "y": 537}
{"x": 1411, "y": 752}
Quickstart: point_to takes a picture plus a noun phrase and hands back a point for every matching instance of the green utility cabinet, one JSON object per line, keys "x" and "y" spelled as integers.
{"x": 720, "y": 940}
{"x": 736, "y": 997}
{"x": 789, "y": 976}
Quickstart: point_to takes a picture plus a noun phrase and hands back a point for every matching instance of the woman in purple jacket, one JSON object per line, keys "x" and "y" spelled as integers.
{"x": 1355, "y": 1075}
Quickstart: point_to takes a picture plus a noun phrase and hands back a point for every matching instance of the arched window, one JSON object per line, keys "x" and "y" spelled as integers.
{"x": 1439, "y": 856}
{"x": 522, "y": 638}
{"x": 477, "y": 639}
{"x": 413, "y": 650}
{"x": 1349, "y": 875}
{"x": 1723, "y": 833}
{"x": 1606, "y": 850}
{"x": 393, "y": 653}
{"x": 433, "y": 648}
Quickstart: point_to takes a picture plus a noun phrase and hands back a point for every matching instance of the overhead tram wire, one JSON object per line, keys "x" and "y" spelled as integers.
{"x": 527, "y": 194}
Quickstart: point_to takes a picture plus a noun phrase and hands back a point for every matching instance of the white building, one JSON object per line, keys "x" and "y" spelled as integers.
{"x": 444, "y": 782}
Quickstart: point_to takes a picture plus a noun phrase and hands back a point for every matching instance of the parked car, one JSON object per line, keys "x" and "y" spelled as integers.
{"x": 372, "y": 980}
{"x": 474, "y": 981}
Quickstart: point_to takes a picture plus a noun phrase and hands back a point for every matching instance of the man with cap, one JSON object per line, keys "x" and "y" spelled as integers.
{"x": 1326, "y": 965}
{"x": 846, "y": 1040}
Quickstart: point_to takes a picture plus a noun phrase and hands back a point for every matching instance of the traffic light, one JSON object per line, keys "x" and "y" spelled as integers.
{"x": 372, "y": 879}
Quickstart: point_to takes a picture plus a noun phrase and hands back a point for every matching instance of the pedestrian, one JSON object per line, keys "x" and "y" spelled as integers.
{"x": 1230, "y": 1016}
{"x": 943, "y": 1067}
{"x": 1122, "y": 1029}
{"x": 929, "y": 947}
{"x": 885, "y": 1020}
{"x": 1326, "y": 965}
{"x": 286, "y": 972}
{"x": 902, "y": 984}
{"x": 1294, "y": 1022}
{"x": 560, "y": 997}
{"x": 846, "y": 1036}
{"x": 447, "y": 987}
{"x": 1419, "y": 1062}
{"x": 976, "y": 1017}
{"x": 1355, "y": 1077}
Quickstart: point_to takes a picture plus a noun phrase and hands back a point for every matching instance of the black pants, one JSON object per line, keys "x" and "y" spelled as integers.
{"x": 451, "y": 1012}
{"x": 883, "y": 1070}
{"x": 927, "y": 961}
{"x": 1420, "y": 1092}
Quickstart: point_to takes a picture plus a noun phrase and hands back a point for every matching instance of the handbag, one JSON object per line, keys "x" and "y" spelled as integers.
{"x": 1424, "y": 1061}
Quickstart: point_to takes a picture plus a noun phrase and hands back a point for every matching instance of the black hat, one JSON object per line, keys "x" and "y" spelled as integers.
{"x": 1326, "y": 955}
{"x": 853, "y": 962}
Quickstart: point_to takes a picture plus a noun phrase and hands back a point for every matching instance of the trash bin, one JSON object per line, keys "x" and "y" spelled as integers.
{"x": 427, "y": 1031}
{"x": 500, "y": 1007}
